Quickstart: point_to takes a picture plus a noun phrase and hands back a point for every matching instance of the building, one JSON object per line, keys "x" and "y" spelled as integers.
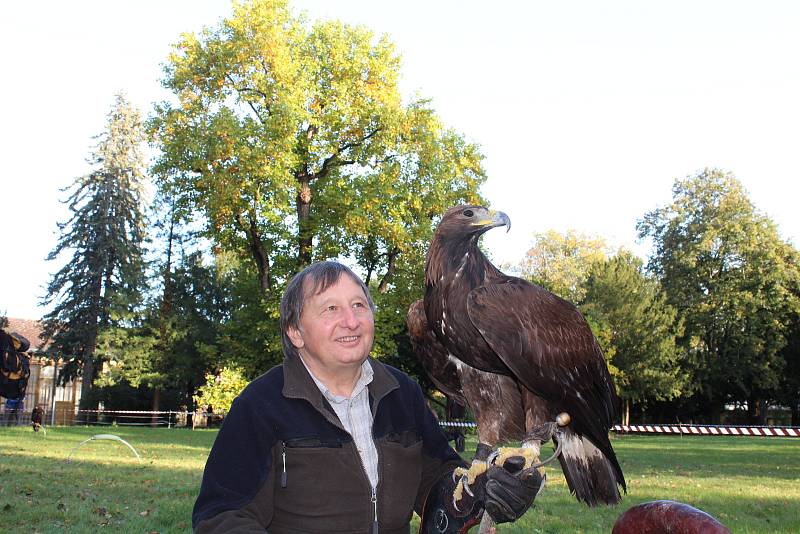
{"x": 59, "y": 402}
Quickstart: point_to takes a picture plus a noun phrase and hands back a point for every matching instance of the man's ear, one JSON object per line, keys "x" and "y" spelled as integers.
{"x": 295, "y": 337}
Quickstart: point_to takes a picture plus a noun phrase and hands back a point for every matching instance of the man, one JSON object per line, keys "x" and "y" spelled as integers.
{"x": 334, "y": 441}
{"x": 14, "y": 407}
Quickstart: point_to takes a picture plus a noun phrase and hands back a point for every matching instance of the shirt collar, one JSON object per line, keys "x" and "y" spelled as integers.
{"x": 364, "y": 378}
{"x": 297, "y": 384}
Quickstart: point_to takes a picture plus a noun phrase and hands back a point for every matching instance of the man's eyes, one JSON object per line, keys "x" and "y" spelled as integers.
{"x": 333, "y": 308}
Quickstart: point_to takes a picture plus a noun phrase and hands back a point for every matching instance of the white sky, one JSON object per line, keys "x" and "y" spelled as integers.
{"x": 586, "y": 111}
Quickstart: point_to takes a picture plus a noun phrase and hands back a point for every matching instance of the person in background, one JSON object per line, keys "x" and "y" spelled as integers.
{"x": 36, "y": 418}
{"x": 335, "y": 441}
{"x": 14, "y": 407}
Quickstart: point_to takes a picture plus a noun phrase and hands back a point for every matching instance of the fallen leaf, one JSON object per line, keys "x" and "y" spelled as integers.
{"x": 102, "y": 510}
{"x": 145, "y": 513}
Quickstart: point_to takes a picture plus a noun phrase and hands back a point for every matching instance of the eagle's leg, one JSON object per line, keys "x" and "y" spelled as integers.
{"x": 532, "y": 443}
{"x": 530, "y": 449}
{"x": 466, "y": 476}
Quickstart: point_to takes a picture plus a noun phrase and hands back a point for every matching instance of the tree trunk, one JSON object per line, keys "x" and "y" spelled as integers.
{"x": 761, "y": 411}
{"x": 715, "y": 410}
{"x": 304, "y": 232}
{"x": 155, "y": 406}
{"x": 258, "y": 250}
{"x": 191, "y": 407}
{"x": 166, "y": 300}
{"x": 96, "y": 318}
{"x": 796, "y": 413}
{"x": 626, "y": 413}
{"x": 86, "y": 380}
{"x": 757, "y": 411}
{"x": 383, "y": 287}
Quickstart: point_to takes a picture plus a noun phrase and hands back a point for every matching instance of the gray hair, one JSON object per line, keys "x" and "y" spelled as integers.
{"x": 311, "y": 281}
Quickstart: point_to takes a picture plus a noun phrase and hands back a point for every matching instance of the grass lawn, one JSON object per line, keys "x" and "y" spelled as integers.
{"x": 750, "y": 484}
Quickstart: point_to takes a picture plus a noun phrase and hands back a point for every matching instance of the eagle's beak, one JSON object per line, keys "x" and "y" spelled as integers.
{"x": 501, "y": 219}
{"x": 494, "y": 219}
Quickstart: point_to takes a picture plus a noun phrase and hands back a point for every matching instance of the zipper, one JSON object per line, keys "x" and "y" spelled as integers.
{"x": 375, "y": 505}
{"x": 374, "y": 490}
{"x": 284, "y": 476}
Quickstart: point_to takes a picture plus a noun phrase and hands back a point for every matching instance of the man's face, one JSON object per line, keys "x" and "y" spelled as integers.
{"x": 336, "y": 327}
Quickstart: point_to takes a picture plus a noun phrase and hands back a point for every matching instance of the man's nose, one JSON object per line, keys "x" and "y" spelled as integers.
{"x": 349, "y": 318}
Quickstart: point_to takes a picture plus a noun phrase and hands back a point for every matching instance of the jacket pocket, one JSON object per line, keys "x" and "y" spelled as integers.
{"x": 313, "y": 441}
{"x": 400, "y": 477}
{"x": 322, "y": 487}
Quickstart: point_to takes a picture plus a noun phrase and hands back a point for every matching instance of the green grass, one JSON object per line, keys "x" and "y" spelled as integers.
{"x": 750, "y": 484}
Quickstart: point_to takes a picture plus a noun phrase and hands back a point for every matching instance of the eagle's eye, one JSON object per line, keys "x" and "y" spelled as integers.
{"x": 468, "y": 213}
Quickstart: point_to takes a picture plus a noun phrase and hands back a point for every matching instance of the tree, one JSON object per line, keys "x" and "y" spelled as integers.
{"x": 102, "y": 281}
{"x": 722, "y": 266}
{"x": 172, "y": 352}
{"x": 561, "y": 262}
{"x": 643, "y": 330}
{"x": 294, "y": 142}
{"x": 788, "y": 393}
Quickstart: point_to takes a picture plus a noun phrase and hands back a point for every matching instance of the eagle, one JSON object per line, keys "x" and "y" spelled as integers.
{"x": 519, "y": 356}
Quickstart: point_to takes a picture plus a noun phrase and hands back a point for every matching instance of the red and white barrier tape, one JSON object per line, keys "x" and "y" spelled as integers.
{"x": 711, "y": 430}
{"x": 693, "y": 430}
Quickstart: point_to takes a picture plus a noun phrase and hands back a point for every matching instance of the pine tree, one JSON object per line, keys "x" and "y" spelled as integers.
{"x": 102, "y": 281}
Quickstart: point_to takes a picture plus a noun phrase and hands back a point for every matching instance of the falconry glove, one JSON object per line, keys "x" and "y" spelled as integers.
{"x": 441, "y": 515}
{"x": 510, "y": 489}
{"x": 505, "y": 493}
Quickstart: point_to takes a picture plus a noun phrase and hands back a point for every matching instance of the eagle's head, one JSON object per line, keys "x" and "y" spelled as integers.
{"x": 457, "y": 235}
{"x": 468, "y": 222}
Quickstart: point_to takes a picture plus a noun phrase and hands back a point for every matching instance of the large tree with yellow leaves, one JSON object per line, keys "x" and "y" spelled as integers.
{"x": 294, "y": 142}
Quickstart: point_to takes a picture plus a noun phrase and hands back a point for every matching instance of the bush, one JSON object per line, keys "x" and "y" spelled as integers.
{"x": 220, "y": 390}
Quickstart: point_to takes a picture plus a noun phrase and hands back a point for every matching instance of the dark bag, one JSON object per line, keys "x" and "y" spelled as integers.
{"x": 14, "y": 365}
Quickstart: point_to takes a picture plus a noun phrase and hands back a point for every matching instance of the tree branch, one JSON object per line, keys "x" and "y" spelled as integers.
{"x": 391, "y": 267}
{"x": 249, "y": 103}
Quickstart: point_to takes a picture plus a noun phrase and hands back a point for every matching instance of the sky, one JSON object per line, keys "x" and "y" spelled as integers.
{"x": 586, "y": 112}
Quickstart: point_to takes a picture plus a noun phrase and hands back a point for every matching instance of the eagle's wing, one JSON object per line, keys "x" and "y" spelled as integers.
{"x": 433, "y": 356}
{"x": 548, "y": 346}
{"x": 495, "y": 400}
{"x": 551, "y": 351}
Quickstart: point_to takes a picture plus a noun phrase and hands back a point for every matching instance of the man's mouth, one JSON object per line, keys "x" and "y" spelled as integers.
{"x": 348, "y": 339}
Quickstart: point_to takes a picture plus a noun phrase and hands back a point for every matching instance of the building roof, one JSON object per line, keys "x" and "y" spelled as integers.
{"x": 31, "y": 329}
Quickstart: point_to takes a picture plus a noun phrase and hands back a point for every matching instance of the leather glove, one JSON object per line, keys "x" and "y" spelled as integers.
{"x": 439, "y": 515}
{"x": 510, "y": 490}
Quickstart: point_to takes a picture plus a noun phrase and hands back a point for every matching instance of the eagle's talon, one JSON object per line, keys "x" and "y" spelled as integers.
{"x": 455, "y": 505}
{"x": 465, "y": 484}
{"x": 458, "y": 491}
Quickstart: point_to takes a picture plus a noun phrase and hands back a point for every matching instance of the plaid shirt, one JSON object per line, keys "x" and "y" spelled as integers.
{"x": 356, "y": 418}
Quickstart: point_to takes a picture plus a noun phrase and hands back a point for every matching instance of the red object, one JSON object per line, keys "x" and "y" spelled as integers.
{"x": 667, "y": 517}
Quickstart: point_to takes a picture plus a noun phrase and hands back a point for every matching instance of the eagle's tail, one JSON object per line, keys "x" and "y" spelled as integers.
{"x": 594, "y": 477}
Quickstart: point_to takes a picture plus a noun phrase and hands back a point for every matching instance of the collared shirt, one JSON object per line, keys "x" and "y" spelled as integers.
{"x": 356, "y": 417}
